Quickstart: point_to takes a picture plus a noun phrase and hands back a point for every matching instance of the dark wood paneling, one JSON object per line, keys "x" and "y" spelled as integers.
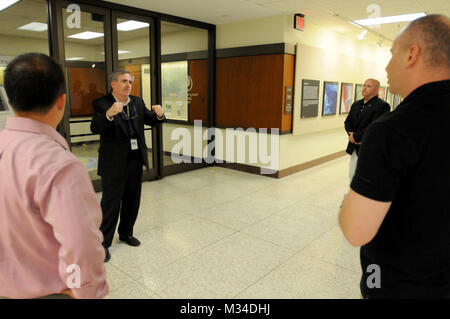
{"x": 288, "y": 80}
{"x": 232, "y": 91}
{"x": 265, "y": 91}
{"x": 250, "y": 91}
{"x": 273, "y": 48}
{"x": 198, "y": 108}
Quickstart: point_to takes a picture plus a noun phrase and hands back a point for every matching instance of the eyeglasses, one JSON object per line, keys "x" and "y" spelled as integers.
{"x": 129, "y": 115}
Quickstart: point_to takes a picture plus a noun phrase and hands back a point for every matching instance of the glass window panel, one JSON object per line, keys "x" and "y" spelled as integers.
{"x": 23, "y": 28}
{"x": 16, "y": 41}
{"x": 134, "y": 55}
{"x": 184, "y": 77}
{"x": 86, "y": 81}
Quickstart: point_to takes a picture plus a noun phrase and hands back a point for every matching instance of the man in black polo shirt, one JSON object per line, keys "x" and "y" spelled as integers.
{"x": 362, "y": 113}
{"x": 398, "y": 208}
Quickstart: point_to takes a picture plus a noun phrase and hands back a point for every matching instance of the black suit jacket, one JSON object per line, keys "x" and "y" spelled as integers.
{"x": 114, "y": 135}
{"x": 358, "y": 119}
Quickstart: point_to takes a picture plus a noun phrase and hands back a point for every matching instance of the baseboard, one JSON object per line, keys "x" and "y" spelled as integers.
{"x": 284, "y": 172}
{"x": 310, "y": 164}
{"x": 246, "y": 168}
{"x": 277, "y": 174}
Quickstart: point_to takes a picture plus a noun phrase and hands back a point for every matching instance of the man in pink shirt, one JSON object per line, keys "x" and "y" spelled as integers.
{"x": 50, "y": 243}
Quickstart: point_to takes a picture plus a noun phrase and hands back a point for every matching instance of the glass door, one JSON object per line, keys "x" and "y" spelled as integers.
{"x": 85, "y": 52}
{"x": 184, "y": 89}
{"x": 93, "y": 43}
{"x": 134, "y": 51}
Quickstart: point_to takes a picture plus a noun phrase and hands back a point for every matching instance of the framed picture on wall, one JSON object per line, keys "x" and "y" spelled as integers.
{"x": 346, "y": 97}
{"x": 310, "y": 98}
{"x": 330, "y": 98}
{"x": 358, "y": 92}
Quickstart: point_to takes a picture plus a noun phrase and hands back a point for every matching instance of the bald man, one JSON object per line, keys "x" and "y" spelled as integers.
{"x": 397, "y": 208}
{"x": 362, "y": 113}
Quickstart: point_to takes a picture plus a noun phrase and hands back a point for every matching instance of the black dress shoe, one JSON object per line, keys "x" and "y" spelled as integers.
{"x": 107, "y": 255}
{"x": 130, "y": 240}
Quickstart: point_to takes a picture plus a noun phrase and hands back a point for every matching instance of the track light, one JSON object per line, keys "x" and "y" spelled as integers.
{"x": 362, "y": 35}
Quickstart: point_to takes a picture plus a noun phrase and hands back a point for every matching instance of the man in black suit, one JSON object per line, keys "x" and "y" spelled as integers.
{"x": 362, "y": 113}
{"x": 119, "y": 118}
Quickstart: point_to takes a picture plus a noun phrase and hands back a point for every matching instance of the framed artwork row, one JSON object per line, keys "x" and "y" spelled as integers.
{"x": 349, "y": 93}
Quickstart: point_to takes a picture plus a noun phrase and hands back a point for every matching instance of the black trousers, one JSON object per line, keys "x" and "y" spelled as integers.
{"x": 121, "y": 197}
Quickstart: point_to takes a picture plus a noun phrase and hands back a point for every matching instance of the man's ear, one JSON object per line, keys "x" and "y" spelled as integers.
{"x": 61, "y": 101}
{"x": 412, "y": 55}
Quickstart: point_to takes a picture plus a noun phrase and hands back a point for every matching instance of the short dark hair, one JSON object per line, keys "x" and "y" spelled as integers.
{"x": 432, "y": 32}
{"x": 33, "y": 82}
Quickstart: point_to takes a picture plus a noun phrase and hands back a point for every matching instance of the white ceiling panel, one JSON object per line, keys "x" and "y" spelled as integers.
{"x": 319, "y": 12}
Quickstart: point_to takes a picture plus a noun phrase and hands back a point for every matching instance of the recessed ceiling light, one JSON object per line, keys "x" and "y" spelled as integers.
{"x": 34, "y": 26}
{"x": 131, "y": 25}
{"x": 87, "y": 35}
{"x": 7, "y": 3}
{"x": 75, "y": 58}
{"x": 119, "y": 52}
{"x": 391, "y": 19}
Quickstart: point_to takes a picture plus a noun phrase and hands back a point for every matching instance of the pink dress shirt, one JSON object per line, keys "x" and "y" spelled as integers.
{"x": 49, "y": 216}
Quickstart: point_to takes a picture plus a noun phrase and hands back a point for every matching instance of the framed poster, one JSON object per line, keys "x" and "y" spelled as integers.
{"x": 310, "y": 98}
{"x": 330, "y": 98}
{"x": 174, "y": 89}
{"x": 346, "y": 97}
{"x": 358, "y": 92}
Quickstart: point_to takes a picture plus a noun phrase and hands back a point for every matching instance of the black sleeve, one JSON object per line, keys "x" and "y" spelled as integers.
{"x": 150, "y": 117}
{"x": 99, "y": 121}
{"x": 349, "y": 120}
{"x": 383, "y": 159}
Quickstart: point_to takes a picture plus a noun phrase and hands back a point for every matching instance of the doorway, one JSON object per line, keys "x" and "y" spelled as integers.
{"x": 90, "y": 42}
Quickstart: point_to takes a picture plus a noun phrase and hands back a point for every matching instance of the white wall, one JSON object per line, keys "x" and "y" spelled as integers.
{"x": 13, "y": 46}
{"x": 250, "y": 32}
{"x": 326, "y": 56}
{"x": 184, "y": 41}
{"x": 321, "y": 55}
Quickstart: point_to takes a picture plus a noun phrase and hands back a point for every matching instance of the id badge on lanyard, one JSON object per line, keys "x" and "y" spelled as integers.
{"x": 134, "y": 144}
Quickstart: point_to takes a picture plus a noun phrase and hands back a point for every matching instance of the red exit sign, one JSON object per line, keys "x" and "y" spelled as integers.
{"x": 299, "y": 21}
